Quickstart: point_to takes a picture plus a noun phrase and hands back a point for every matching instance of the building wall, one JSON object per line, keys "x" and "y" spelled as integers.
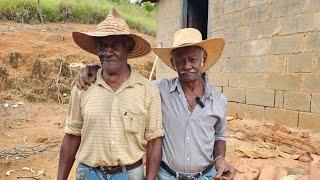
{"x": 270, "y": 67}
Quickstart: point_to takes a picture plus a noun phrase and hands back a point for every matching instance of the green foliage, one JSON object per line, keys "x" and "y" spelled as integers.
{"x": 149, "y": 6}
{"x": 80, "y": 11}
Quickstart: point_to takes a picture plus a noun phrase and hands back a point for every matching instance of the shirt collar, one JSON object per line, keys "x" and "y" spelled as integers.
{"x": 175, "y": 85}
{"x": 134, "y": 78}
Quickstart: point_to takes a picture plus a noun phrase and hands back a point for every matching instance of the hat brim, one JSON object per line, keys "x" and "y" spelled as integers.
{"x": 85, "y": 41}
{"x": 213, "y": 48}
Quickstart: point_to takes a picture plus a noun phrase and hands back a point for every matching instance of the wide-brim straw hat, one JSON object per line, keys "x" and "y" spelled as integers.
{"x": 192, "y": 37}
{"x": 112, "y": 25}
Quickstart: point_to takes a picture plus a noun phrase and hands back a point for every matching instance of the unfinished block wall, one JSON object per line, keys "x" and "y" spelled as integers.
{"x": 270, "y": 67}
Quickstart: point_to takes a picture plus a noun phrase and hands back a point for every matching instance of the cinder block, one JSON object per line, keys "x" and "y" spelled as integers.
{"x": 279, "y": 99}
{"x": 218, "y": 79}
{"x": 300, "y": 63}
{"x": 263, "y": 64}
{"x": 286, "y": 7}
{"x": 313, "y": 42}
{"x": 313, "y": 4}
{"x": 233, "y": 80}
{"x": 234, "y": 5}
{"x": 282, "y": 117}
{"x": 309, "y": 120}
{"x": 218, "y": 67}
{"x": 233, "y": 109}
{"x": 237, "y": 34}
{"x": 217, "y": 9}
{"x": 257, "y": 2}
{"x": 256, "y": 14}
{"x": 231, "y": 50}
{"x": 286, "y": 82}
{"x": 260, "y": 97}
{"x": 255, "y": 48}
{"x": 297, "y": 101}
{"x": 252, "y": 80}
{"x": 227, "y": 21}
{"x": 298, "y": 23}
{"x": 287, "y": 44}
{"x": 311, "y": 83}
{"x": 251, "y": 112}
{"x": 263, "y": 30}
{"x": 218, "y": 34}
{"x": 234, "y": 94}
{"x": 315, "y": 103}
{"x": 235, "y": 65}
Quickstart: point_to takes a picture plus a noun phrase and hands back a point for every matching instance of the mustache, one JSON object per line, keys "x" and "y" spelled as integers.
{"x": 189, "y": 71}
{"x": 108, "y": 59}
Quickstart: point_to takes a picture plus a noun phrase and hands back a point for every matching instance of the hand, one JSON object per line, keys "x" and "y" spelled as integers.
{"x": 86, "y": 76}
{"x": 224, "y": 170}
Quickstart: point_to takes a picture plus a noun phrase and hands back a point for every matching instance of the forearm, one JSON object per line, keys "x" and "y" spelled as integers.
{"x": 154, "y": 152}
{"x": 69, "y": 148}
{"x": 219, "y": 148}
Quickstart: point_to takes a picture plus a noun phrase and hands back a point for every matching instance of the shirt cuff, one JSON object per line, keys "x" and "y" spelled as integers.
{"x": 154, "y": 134}
{"x": 72, "y": 131}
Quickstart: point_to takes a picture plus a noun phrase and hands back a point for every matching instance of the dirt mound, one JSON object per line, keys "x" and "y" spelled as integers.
{"x": 37, "y": 62}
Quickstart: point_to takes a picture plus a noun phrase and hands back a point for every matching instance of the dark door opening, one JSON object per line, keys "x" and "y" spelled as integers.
{"x": 195, "y": 15}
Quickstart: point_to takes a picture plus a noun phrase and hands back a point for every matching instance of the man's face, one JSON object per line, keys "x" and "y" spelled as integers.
{"x": 113, "y": 52}
{"x": 188, "y": 62}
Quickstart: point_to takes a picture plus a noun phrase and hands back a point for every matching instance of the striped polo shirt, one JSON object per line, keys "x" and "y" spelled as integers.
{"x": 114, "y": 125}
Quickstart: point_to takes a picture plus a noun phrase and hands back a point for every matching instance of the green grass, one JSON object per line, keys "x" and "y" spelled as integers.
{"x": 80, "y": 11}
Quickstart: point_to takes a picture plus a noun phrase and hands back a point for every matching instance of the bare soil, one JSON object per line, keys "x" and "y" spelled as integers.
{"x": 31, "y": 132}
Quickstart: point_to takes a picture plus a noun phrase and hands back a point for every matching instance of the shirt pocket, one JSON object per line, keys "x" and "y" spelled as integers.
{"x": 134, "y": 121}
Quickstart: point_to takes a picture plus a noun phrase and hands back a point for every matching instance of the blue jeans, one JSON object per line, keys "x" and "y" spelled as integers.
{"x": 85, "y": 172}
{"x": 164, "y": 175}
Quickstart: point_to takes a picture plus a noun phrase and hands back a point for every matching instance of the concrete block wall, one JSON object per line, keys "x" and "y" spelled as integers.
{"x": 270, "y": 67}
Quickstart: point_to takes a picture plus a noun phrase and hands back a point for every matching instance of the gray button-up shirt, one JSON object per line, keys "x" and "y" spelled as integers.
{"x": 189, "y": 138}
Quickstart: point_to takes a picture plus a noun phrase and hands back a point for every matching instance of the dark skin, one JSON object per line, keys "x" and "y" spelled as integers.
{"x": 187, "y": 61}
{"x": 113, "y": 55}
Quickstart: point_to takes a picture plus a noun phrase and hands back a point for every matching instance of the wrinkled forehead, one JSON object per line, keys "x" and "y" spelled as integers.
{"x": 188, "y": 50}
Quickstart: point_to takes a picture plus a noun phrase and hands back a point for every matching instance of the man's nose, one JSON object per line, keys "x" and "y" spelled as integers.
{"x": 108, "y": 52}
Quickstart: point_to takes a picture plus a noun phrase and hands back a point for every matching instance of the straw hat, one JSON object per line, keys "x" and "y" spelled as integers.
{"x": 192, "y": 37}
{"x": 112, "y": 25}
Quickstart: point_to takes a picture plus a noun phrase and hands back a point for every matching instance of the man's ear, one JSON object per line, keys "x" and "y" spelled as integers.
{"x": 173, "y": 65}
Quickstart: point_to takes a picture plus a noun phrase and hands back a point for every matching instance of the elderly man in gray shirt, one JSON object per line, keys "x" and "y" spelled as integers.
{"x": 194, "y": 113}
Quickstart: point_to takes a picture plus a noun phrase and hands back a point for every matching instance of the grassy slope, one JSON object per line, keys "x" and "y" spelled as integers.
{"x": 81, "y": 11}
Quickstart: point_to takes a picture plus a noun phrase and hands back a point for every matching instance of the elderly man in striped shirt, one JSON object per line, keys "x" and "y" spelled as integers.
{"x": 194, "y": 113}
{"x": 110, "y": 121}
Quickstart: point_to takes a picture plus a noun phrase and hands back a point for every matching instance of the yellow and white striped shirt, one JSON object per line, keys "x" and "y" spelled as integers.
{"x": 114, "y": 125}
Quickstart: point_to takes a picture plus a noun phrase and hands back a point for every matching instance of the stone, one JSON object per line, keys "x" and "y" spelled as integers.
{"x": 282, "y": 117}
{"x": 218, "y": 79}
{"x": 298, "y": 23}
{"x": 260, "y": 97}
{"x": 286, "y": 44}
{"x": 286, "y": 82}
{"x": 234, "y": 94}
{"x": 313, "y": 42}
{"x": 311, "y": 83}
{"x": 309, "y": 120}
{"x": 279, "y": 99}
{"x": 251, "y": 112}
{"x": 256, "y": 14}
{"x": 315, "y": 103}
{"x": 252, "y": 80}
{"x": 234, "y": 5}
{"x": 300, "y": 63}
{"x": 297, "y": 101}
{"x": 286, "y": 7}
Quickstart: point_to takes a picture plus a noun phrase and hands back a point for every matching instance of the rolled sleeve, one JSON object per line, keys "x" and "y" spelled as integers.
{"x": 221, "y": 126}
{"x": 74, "y": 121}
{"x": 154, "y": 127}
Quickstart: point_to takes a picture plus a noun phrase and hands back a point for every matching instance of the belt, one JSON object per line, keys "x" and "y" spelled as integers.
{"x": 120, "y": 169}
{"x": 185, "y": 176}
